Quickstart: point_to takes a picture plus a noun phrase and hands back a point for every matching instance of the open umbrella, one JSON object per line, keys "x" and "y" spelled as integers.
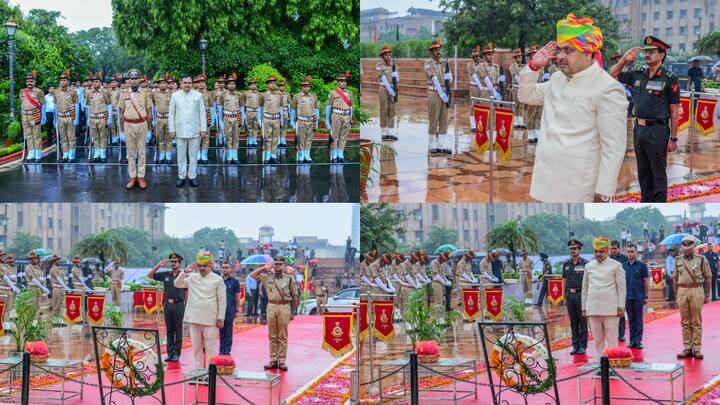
{"x": 676, "y": 238}
{"x": 91, "y": 260}
{"x": 43, "y": 252}
{"x": 701, "y": 58}
{"x": 444, "y": 248}
{"x": 458, "y": 252}
{"x": 314, "y": 261}
{"x": 256, "y": 260}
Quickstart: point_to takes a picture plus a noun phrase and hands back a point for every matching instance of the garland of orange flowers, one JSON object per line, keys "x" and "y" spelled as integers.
{"x": 136, "y": 385}
{"x": 698, "y": 395}
{"x": 636, "y": 194}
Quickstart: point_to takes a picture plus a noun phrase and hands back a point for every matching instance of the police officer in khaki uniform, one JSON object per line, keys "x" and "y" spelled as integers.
{"x": 271, "y": 106}
{"x": 492, "y": 70}
{"x": 8, "y": 289}
{"x": 114, "y": 95}
{"x": 321, "y": 293}
{"x": 251, "y": 101}
{"x": 437, "y": 99}
{"x": 476, "y": 75}
{"x": 218, "y": 89}
{"x": 99, "y": 116}
{"x": 533, "y": 113}
{"x": 209, "y": 100}
{"x": 691, "y": 282}
{"x": 230, "y": 103}
{"x": 66, "y": 117}
{"x": 32, "y": 103}
{"x": 282, "y": 300}
{"x": 338, "y": 115}
{"x": 463, "y": 267}
{"x": 57, "y": 281}
{"x": 439, "y": 282}
{"x": 304, "y": 117}
{"x": 387, "y": 93}
{"x": 526, "y": 270}
{"x": 287, "y": 97}
{"x": 135, "y": 122}
{"x": 161, "y": 101}
{"x": 116, "y": 277}
{"x": 35, "y": 277}
{"x": 515, "y": 68}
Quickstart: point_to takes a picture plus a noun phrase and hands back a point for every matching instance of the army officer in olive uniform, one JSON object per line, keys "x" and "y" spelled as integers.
{"x": 173, "y": 303}
{"x": 573, "y": 271}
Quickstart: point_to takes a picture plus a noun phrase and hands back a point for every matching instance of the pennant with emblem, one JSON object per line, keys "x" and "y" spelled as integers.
{"x": 684, "y": 113}
{"x": 150, "y": 300}
{"x": 137, "y": 299}
{"x": 482, "y": 141}
{"x": 73, "y": 308}
{"x": 95, "y": 309}
{"x": 383, "y": 320}
{"x": 705, "y": 115}
{"x": 493, "y": 303}
{"x": 556, "y": 290}
{"x": 337, "y": 333}
{"x": 657, "y": 277}
{"x": 471, "y": 303}
{"x": 364, "y": 330}
{"x": 503, "y": 131}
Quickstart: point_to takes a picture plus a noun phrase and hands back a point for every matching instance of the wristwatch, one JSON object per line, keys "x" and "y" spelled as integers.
{"x": 603, "y": 198}
{"x": 673, "y": 139}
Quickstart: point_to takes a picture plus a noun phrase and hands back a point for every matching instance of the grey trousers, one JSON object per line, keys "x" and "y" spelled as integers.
{"x": 187, "y": 147}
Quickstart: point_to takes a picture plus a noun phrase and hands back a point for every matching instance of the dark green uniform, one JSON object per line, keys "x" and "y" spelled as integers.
{"x": 573, "y": 275}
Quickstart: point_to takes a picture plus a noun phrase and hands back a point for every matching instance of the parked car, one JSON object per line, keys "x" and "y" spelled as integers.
{"x": 348, "y": 296}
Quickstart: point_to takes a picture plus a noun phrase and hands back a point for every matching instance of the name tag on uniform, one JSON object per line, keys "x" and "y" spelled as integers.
{"x": 579, "y": 269}
{"x": 655, "y": 85}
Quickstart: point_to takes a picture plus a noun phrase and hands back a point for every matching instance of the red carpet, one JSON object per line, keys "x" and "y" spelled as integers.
{"x": 306, "y": 360}
{"x": 662, "y": 339}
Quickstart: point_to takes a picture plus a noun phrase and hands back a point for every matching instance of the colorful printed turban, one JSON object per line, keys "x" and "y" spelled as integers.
{"x": 581, "y": 34}
{"x": 204, "y": 257}
{"x": 601, "y": 244}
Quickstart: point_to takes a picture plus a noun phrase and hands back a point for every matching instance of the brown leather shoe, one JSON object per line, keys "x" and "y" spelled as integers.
{"x": 142, "y": 183}
{"x": 685, "y": 354}
{"x": 283, "y": 367}
{"x": 698, "y": 355}
{"x": 130, "y": 183}
{"x": 270, "y": 366}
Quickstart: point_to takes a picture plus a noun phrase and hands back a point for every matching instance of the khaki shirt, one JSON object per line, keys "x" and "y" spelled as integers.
{"x": 35, "y": 94}
{"x": 129, "y": 100}
{"x": 336, "y": 102}
{"x": 117, "y": 275}
{"x": 97, "y": 101}
{"x": 418, "y": 268}
{"x": 373, "y": 270}
{"x": 305, "y": 104}
{"x": 287, "y": 98}
{"x": 230, "y": 101}
{"x": 464, "y": 266}
{"x": 515, "y": 69}
{"x": 492, "y": 70}
{"x": 65, "y": 100}
{"x": 437, "y": 69}
{"x": 321, "y": 291}
{"x": 436, "y": 268}
{"x": 526, "y": 266}
{"x": 208, "y": 98}
{"x": 282, "y": 288}
{"x": 56, "y": 272}
{"x": 161, "y": 100}
{"x": 77, "y": 276}
{"x": 477, "y": 70}
{"x": 693, "y": 269}
{"x": 218, "y": 93}
{"x": 485, "y": 266}
{"x": 34, "y": 272}
{"x": 251, "y": 98}
{"x": 384, "y": 69}
{"x": 114, "y": 96}
{"x": 272, "y": 102}
{"x": 7, "y": 270}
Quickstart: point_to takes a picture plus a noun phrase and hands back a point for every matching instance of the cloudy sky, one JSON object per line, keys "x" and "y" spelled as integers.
{"x": 399, "y": 6}
{"x": 607, "y": 211}
{"x": 326, "y": 221}
{"x": 77, "y": 15}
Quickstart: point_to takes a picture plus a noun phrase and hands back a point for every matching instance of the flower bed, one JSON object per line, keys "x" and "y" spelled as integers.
{"x": 679, "y": 192}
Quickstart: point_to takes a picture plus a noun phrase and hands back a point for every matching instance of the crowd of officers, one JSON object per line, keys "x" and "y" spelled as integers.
{"x": 102, "y": 107}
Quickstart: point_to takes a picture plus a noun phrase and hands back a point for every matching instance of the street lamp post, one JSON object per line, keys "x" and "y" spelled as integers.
{"x": 4, "y": 223}
{"x": 10, "y": 27}
{"x": 203, "y": 47}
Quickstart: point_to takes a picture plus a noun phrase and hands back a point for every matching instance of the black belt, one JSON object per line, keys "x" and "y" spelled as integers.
{"x": 175, "y": 300}
{"x": 653, "y": 122}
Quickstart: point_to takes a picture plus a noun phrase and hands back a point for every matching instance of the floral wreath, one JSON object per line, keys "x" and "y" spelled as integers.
{"x": 515, "y": 349}
{"x": 122, "y": 368}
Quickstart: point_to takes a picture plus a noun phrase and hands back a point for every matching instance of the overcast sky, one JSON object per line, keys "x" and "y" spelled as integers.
{"x": 326, "y": 221}
{"x": 77, "y": 15}
{"x": 607, "y": 211}
{"x": 399, "y": 6}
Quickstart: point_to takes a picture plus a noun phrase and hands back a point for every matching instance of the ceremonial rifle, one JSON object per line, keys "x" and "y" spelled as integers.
{"x": 447, "y": 82}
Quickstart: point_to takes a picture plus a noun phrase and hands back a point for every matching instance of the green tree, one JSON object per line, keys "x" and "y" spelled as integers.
{"x": 108, "y": 56}
{"x": 380, "y": 225}
{"x": 210, "y": 238}
{"x": 439, "y": 235}
{"x": 632, "y": 219}
{"x": 519, "y": 23}
{"x": 513, "y": 234}
{"x": 553, "y": 232}
{"x": 709, "y": 44}
{"x": 104, "y": 245}
{"x": 23, "y": 243}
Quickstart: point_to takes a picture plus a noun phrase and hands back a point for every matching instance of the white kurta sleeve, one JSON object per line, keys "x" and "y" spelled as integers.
{"x": 530, "y": 91}
{"x": 201, "y": 111}
{"x": 171, "y": 115}
{"x": 621, "y": 287}
{"x": 611, "y": 122}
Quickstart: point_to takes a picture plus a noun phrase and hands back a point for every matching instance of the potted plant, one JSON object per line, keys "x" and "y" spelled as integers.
{"x": 28, "y": 325}
{"x": 425, "y": 332}
{"x": 514, "y": 307}
{"x": 368, "y": 151}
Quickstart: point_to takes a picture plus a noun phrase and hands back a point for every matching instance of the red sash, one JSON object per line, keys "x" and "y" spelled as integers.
{"x": 35, "y": 104}
{"x": 344, "y": 98}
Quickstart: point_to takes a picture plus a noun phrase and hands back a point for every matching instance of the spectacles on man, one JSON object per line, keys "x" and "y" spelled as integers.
{"x": 597, "y": 252}
{"x": 568, "y": 50}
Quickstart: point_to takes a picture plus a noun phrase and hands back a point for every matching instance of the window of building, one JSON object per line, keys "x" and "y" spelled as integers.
{"x": 50, "y": 243}
{"x": 466, "y": 214}
{"x": 60, "y": 223}
{"x": 419, "y": 235}
{"x": 645, "y": 2}
{"x": 466, "y": 235}
{"x": 644, "y": 17}
{"x": 697, "y": 12}
{"x": 656, "y": 31}
{"x": 656, "y": 16}
{"x": 475, "y": 214}
{"x": 696, "y": 30}
{"x": 435, "y": 212}
{"x": 656, "y": 1}
{"x": 76, "y": 229}
{"x": 50, "y": 223}
{"x": 683, "y": 30}
{"x": 418, "y": 216}
{"x": 681, "y": 47}
{"x": 669, "y": 32}
{"x": 669, "y": 2}
{"x": 19, "y": 218}
{"x": 683, "y": 13}
{"x": 455, "y": 215}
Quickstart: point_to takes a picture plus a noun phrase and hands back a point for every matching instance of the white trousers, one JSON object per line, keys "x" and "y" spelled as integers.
{"x": 187, "y": 148}
{"x": 605, "y": 332}
{"x": 206, "y": 337}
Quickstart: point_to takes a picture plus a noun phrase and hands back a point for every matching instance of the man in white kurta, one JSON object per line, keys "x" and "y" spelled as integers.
{"x": 583, "y": 127}
{"x": 603, "y": 296}
{"x": 205, "y": 309}
{"x": 187, "y": 123}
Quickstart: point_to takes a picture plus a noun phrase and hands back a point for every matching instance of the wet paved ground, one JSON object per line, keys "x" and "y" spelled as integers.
{"x": 249, "y": 181}
{"x": 465, "y": 176}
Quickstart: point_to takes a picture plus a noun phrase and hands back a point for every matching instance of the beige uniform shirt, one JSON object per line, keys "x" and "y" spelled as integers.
{"x": 130, "y": 100}
{"x": 492, "y": 70}
{"x": 65, "y": 100}
{"x": 35, "y": 94}
{"x": 114, "y": 97}
{"x": 437, "y": 69}
{"x": 217, "y": 94}
{"x": 373, "y": 270}
{"x": 693, "y": 269}
{"x": 206, "y": 298}
{"x": 322, "y": 291}
{"x": 117, "y": 275}
{"x": 251, "y": 98}
{"x": 279, "y": 289}
{"x": 305, "y": 104}
{"x": 464, "y": 266}
{"x": 97, "y": 101}
{"x": 515, "y": 69}
{"x": 56, "y": 272}
{"x": 33, "y": 272}
{"x": 477, "y": 70}
{"x": 526, "y": 266}
{"x": 485, "y": 266}
{"x": 384, "y": 70}
{"x": 7, "y": 270}
{"x": 208, "y": 98}
{"x": 161, "y": 100}
{"x": 436, "y": 268}
{"x": 77, "y": 276}
{"x": 272, "y": 101}
{"x": 337, "y": 103}
{"x": 230, "y": 101}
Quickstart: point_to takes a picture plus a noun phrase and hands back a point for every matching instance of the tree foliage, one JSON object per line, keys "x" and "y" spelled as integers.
{"x": 380, "y": 225}
{"x": 709, "y": 44}
{"x": 519, "y": 23}
{"x": 105, "y": 245}
{"x": 515, "y": 235}
{"x": 23, "y": 243}
{"x": 107, "y": 55}
{"x": 439, "y": 235}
